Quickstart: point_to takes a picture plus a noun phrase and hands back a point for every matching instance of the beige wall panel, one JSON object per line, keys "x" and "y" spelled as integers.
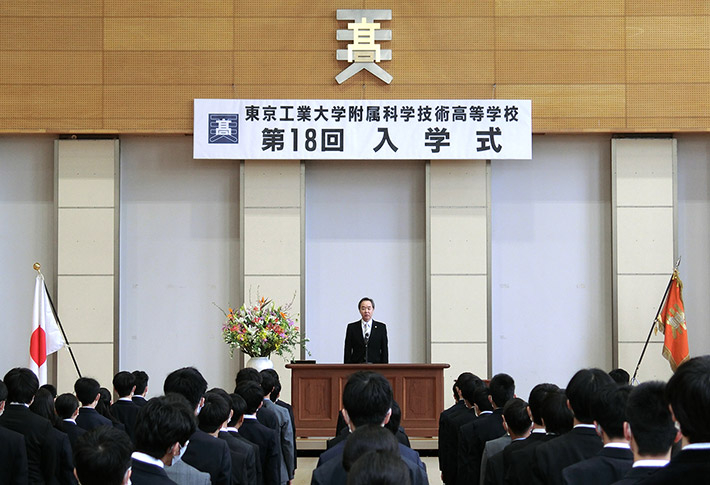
{"x": 557, "y": 8}
{"x": 149, "y": 125}
{"x": 272, "y": 183}
{"x": 85, "y": 241}
{"x": 94, "y": 360}
{"x": 349, "y": 90}
{"x": 644, "y": 172}
{"x": 560, "y": 67}
{"x": 639, "y": 297}
{"x": 459, "y": 308}
{"x": 272, "y": 241}
{"x": 168, "y": 68}
{"x": 568, "y": 100}
{"x": 47, "y": 33}
{"x": 50, "y": 67}
{"x": 653, "y": 367}
{"x": 86, "y": 173}
{"x": 662, "y": 125}
{"x": 396, "y": 90}
{"x": 441, "y": 34}
{"x": 400, "y": 8}
{"x": 161, "y": 8}
{"x": 281, "y": 289}
{"x": 668, "y": 66}
{"x": 319, "y": 68}
{"x": 658, "y": 100}
{"x": 458, "y": 183}
{"x": 458, "y": 241}
{"x": 277, "y": 8}
{"x": 86, "y": 306}
{"x": 51, "y": 8}
{"x": 168, "y": 34}
{"x": 461, "y": 358}
{"x": 158, "y": 101}
{"x": 447, "y": 67}
{"x": 287, "y": 34}
{"x": 667, "y": 32}
{"x": 662, "y": 7}
{"x": 542, "y": 124}
{"x": 558, "y": 33}
{"x": 26, "y": 102}
{"x": 639, "y": 249}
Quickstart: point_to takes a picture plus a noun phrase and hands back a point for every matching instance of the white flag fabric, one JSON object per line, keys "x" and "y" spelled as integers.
{"x": 46, "y": 336}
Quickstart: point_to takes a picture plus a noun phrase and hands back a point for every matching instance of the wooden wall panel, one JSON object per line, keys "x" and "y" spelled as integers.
{"x": 59, "y": 101}
{"x": 286, "y": 34}
{"x": 172, "y": 67}
{"x": 560, "y": 67}
{"x": 168, "y": 34}
{"x": 569, "y": 101}
{"x": 47, "y": 33}
{"x": 442, "y": 33}
{"x": 163, "y": 8}
{"x": 157, "y": 101}
{"x": 669, "y": 66}
{"x": 51, "y": 8}
{"x": 49, "y": 67}
{"x": 663, "y": 7}
{"x": 664, "y": 100}
{"x": 556, "y": 8}
{"x": 677, "y": 32}
{"x": 560, "y": 33}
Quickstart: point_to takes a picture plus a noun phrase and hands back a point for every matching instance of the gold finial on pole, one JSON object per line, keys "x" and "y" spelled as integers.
{"x": 36, "y": 267}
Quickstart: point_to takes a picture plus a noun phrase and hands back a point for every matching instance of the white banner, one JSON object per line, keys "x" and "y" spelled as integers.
{"x": 247, "y": 129}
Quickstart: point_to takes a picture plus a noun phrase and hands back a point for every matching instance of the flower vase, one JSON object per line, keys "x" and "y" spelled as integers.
{"x": 260, "y": 363}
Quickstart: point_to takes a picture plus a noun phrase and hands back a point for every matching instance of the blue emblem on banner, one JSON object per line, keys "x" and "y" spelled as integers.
{"x": 223, "y": 128}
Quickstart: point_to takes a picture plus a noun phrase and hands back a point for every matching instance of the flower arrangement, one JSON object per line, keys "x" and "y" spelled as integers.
{"x": 261, "y": 330}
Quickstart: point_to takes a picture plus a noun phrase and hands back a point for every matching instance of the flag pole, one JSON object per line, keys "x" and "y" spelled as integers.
{"x": 36, "y": 267}
{"x": 660, "y": 307}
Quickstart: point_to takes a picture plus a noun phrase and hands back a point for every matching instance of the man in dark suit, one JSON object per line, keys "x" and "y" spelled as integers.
{"x": 13, "y": 453}
{"x": 67, "y": 407}
{"x": 367, "y": 398}
{"x": 550, "y": 458}
{"x": 141, "y": 383}
{"x": 103, "y": 456}
{"x": 124, "y": 409}
{"x": 40, "y": 443}
{"x": 616, "y": 458}
{"x": 239, "y": 407}
{"x": 265, "y": 438}
{"x": 275, "y": 394}
{"x": 688, "y": 392}
{"x": 207, "y": 455}
{"x": 649, "y": 429}
{"x": 162, "y": 429}
{"x": 87, "y": 391}
{"x": 488, "y": 426}
{"x": 517, "y": 422}
{"x": 366, "y": 339}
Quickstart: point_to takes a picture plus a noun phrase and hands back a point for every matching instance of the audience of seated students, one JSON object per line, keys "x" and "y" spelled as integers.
{"x": 488, "y": 426}
{"x": 616, "y": 458}
{"x": 87, "y": 391}
{"x": 103, "y": 457}
{"x": 649, "y": 429}
{"x": 13, "y": 453}
{"x": 43, "y": 405}
{"x": 124, "y": 409}
{"x": 141, "y": 383}
{"x": 518, "y": 425}
{"x": 204, "y": 452}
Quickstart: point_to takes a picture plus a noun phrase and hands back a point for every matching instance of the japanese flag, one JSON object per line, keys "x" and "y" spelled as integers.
{"x": 46, "y": 337}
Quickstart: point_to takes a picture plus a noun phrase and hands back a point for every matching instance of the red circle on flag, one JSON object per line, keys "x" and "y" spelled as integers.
{"x": 38, "y": 346}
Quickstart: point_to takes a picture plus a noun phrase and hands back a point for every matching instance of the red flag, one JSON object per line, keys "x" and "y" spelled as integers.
{"x": 46, "y": 337}
{"x": 671, "y": 321}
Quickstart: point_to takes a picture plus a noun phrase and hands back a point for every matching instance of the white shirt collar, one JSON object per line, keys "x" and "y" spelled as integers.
{"x": 539, "y": 431}
{"x": 70, "y": 420}
{"x": 125, "y": 399}
{"x": 582, "y": 425}
{"x": 650, "y": 463}
{"x": 250, "y": 416}
{"x": 137, "y": 455}
{"x": 697, "y": 446}
{"x": 20, "y": 404}
{"x": 623, "y": 446}
{"x": 230, "y": 429}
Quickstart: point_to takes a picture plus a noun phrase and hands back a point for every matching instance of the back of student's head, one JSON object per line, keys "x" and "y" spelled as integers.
{"x": 3, "y": 392}
{"x": 66, "y": 405}
{"x": 379, "y": 468}
{"x": 247, "y": 374}
{"x": 650, "y": 419}
{"x": 620, "y": 376}
{"x": 276, "y": 392}
{"x": 161, "y": 423}
{"x": 188, "y": 382}
{"x": 582, "y": 391}
{"x": 124, "y": 382}
{"x": 464, "y": 376}
{"x": 239, "y": 408}
{"x": 688, "y": 392}
{"x": 367, "y": 398}
{"x": 537, "y": 396}
{"x": 252, "y": 393}
{"x": 395, "y": 418}
{"x": 370, "y": 437}
{"x": 214, "y": 413}
{"x": 610, "y": 410}
{"x": 268, "y": 382}
{"x": 516, "y": 416}
{"x": 502, "y": 389}
{"x": 22, "y": 385}
{"x": 468, "y": 383}
{"x": 557, "y": 417}
{"x": 43, "y": 405}
{"x": 480, "y": 398}
{"x": 50, "y": 388}
{"x": 141, "y": 381}
{"x": 102, "y": 456}
{"x": 86, "y": 390}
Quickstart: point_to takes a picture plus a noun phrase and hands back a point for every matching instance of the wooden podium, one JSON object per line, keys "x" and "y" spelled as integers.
{"x": 317, "y": 390}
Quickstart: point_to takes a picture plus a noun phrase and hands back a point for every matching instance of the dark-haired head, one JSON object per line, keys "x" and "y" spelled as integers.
{"x": 517, "y": 418}
{"x": 610, "y": 410}
{"x": 688, "y": 392}
{"x": 468, "y": 387}
{"x": 163, "y": 422}
{"x": 51, "y": 389}
{"x": 188, "y": 382}
{"x": 141, "y": 381}
{"x": 239, "y": 408}
{"x": 620, "y": 376}
{"x": 370, "y": 437}
{"x": 124, "y": 383}
{"x": 86, "y": 390}
{"x": 103, "y": 407}
{"x": 481, "y": 398}
{"x": 43, "y": 405}
{"x": 650, "y": 420}
{"x": 66, "y": 405}
{"x": 502, "y": 388}
{"x": 379, "y": 468}
{"x": 556, "y": 416}
{"x": 366, "y": 298}
{"x": 367, "y": 398}
{"x": 395, "y": 418}
{"x": 582, "y": 391}
{"x": 3, "y": 392}
{"x": 22, "y": 385}
{"x": 537, "y": 396}
{"x": 247, "y": 374}
{"x": 252, "y": 393}
{"x": 102, "y": 456}
{"x": 214, "y": 413}
{"x": 268, "y": 382}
